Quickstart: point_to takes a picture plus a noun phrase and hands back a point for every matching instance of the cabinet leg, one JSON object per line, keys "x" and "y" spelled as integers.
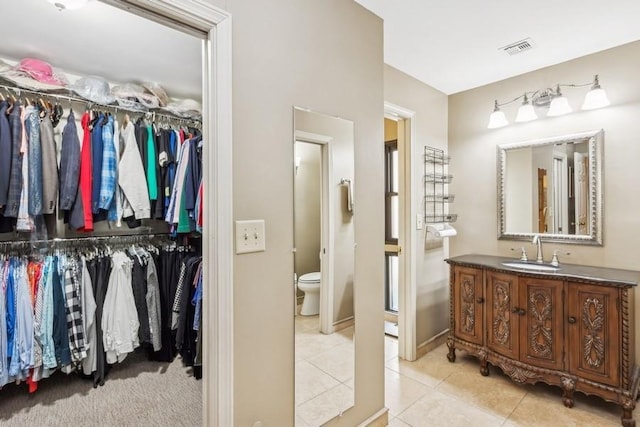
{"x": 484, "y": 364}
{"x": 451, "y": 356}
{"x": 568, "y": 387}
{"x": 627, "y": 413}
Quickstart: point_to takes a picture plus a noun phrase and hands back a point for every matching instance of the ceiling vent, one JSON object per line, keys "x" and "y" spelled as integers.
{"x": 519, "y": 46}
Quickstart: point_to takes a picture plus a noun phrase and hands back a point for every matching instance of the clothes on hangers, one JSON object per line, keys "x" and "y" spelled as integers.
{"x": 76, "y": 310}
{"x": 86, "y": 182}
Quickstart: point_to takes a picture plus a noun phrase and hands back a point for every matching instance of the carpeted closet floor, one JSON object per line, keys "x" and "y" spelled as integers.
{"x": 137, "y": 392}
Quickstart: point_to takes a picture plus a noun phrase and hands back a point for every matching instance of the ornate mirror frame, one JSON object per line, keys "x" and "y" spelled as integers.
{"x": 596, "y": 142}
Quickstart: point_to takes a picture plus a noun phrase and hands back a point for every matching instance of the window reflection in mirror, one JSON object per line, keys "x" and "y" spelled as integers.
{"x": 552, "y": 187}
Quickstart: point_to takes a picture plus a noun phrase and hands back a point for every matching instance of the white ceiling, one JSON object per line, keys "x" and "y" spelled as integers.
{"x": 453, "y": 45}
{"x": 104, "y": 41}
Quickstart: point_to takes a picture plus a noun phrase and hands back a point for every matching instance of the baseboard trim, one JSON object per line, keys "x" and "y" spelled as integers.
{"x": 343, "y": 324}
{"x": 431, "y": 343}
{"x": 379, "y": 419}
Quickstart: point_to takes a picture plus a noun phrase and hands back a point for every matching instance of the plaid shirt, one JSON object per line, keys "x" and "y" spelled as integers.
{"x": 74, "y": 311}
{"x": 109, "y": 165}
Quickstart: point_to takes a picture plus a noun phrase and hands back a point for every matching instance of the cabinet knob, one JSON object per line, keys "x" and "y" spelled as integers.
{"x": 571, "y": 320}
{"x": 522, "y": 312}
{"x": 480, "y": 300}
{"x": 514, "y": 310}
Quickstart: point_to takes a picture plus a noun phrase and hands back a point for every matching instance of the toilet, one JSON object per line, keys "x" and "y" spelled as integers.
{"x": 310, "y": 284}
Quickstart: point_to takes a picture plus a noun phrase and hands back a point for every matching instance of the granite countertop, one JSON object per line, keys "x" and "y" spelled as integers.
{"x": 565, "y": 271}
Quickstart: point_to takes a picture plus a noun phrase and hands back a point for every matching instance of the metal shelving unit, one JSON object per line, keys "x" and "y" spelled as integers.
{"x": 436, "y": 180}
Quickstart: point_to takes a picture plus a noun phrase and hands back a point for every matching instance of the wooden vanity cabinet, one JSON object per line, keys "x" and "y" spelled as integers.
{"x": 565, "y": 331}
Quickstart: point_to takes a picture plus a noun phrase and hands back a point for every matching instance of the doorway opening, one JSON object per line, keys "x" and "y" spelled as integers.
{"x": 392, "y": 222}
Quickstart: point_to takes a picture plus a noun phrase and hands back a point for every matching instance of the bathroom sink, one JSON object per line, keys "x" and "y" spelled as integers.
{"x": 531, "y": 266}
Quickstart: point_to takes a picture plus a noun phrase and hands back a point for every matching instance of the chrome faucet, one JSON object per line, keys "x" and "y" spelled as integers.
{"x": 538, "y": 241}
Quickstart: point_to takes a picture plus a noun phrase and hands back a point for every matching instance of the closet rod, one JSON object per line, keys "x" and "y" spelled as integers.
{"x": 18, "y": 91}
{"x": 121, "y": 238}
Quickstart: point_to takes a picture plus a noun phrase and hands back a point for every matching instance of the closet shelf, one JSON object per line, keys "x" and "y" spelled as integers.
{"x": 68, "y": 96}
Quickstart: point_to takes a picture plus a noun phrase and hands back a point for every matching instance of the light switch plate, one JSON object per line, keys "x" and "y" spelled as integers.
{"x": 250, "y": 236}
{"x": 419, "y": 222}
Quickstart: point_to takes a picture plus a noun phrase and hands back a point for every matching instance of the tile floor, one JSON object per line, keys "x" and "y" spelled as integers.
{"x": 431, "y": 391}
{"x": 324, "y": 372}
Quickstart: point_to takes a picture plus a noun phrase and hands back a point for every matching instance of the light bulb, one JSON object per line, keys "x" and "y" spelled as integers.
{"x": 596, "y": 97}
{"x": 497, "y": 119}
{"x": 526, "y": 113}
{"x": 559, "y": 105}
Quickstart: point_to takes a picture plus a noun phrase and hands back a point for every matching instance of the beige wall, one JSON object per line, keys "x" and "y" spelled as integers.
{"x": 325, "y": 55}
{"x": 473, "y": 148}
{"x": 307, "y": 208}
{"x": 430, "y": 121}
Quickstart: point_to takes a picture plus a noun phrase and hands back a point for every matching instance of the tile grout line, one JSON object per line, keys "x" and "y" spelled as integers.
{"x": 508, "y": 418}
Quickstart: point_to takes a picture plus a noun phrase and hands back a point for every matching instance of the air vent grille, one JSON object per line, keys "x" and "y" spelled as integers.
{"x": 519, "y": 46}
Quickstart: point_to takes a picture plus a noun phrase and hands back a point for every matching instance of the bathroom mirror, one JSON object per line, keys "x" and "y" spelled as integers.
{"x": 323, "y": 173}
{"x": 552, "y": 187}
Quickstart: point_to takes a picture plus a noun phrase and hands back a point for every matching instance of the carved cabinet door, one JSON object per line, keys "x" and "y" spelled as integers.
{"x": 502, "y": 314}
{"x": 541, "y": 322}
{"x": 593, "y": 322}
{"x": 468, "y": 300}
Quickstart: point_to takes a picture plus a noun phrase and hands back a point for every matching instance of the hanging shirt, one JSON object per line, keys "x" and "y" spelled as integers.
{"x": 5, "y": 148}
{"x": 173, "y": 213}
{"x": 69, "y": 164}
{"x": 24, "y": 223}
{"x": 131, "y": 176}
{"x": 89, "y": 364}
{"x": 86, "y": 174}
{"x": 15, "y": 178}
{"x": 109, "y": 165}
{"x": 4, "y": 365}
{"x": 119, "y": 317}
{"x": 73, "y": 306}
{"x": 49, "y": 166}
{"x": 152, "y": 179}
{"x": 46, "y": 327}
{"x": 32, "y": 126}
{"x": 153, "y": 305}
{"x": 96, "y": 163}
{"x": 115, "y": 210}
{"x": 22, "y": 357}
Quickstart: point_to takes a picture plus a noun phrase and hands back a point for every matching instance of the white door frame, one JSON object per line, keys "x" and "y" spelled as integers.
{"x": 199, "y": 18}
{"x": 407, "y": 256}
{"x": 328, "y": 225}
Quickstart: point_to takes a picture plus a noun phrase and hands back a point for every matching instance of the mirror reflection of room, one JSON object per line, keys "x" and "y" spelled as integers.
{"x": 551, "y": 187}
{"x": 323, "y": 265}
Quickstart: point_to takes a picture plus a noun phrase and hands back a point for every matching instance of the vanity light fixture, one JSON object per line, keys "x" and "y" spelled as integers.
{"x": 68, "y": 4}
{"x": 551, "y": 98}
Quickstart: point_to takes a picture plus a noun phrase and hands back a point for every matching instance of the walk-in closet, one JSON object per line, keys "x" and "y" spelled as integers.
{"x": 101, "y": 217}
